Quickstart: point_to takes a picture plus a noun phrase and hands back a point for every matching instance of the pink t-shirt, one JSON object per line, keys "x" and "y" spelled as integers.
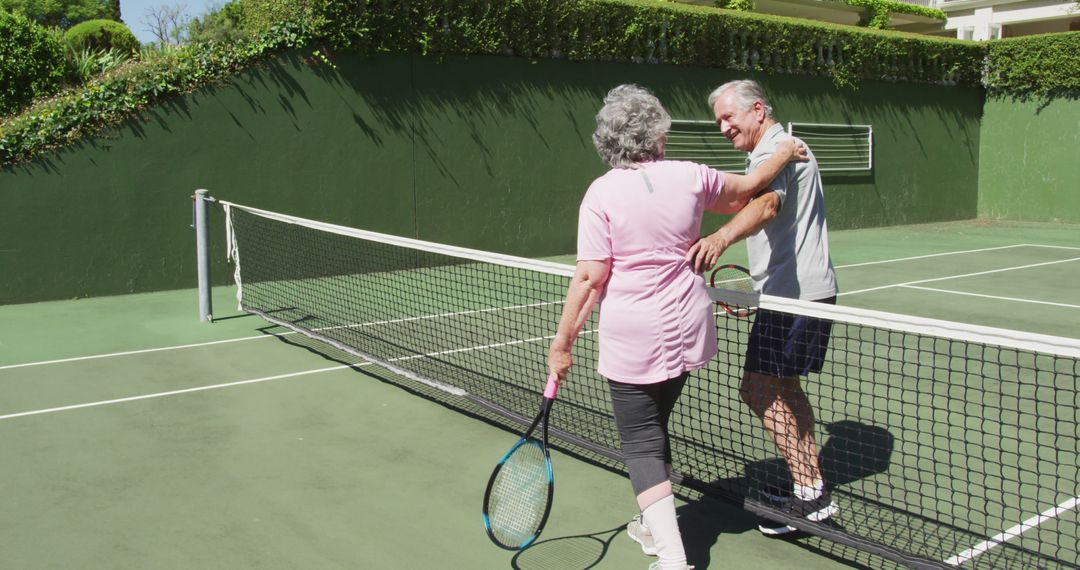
{"x": 656, "y": 319}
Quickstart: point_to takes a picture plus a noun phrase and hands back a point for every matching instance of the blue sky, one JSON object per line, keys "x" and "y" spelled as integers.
{"x": 134, "y": 12}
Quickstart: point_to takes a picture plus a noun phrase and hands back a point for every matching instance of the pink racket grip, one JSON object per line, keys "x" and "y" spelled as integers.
{"x": 552, "y": 387}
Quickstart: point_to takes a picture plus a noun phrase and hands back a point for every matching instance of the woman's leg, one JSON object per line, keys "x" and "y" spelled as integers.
{"x": 641, "y": 414}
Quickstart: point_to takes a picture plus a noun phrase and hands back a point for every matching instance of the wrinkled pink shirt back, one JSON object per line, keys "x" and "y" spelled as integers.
{"x": 656, "y": 319}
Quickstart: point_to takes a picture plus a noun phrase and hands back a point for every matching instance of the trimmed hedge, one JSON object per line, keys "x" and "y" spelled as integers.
{"x": 647, "y": 31}
{"x": 593, "y": 30}
{"x": 1043, "y": 66}
{"x": 31, "y": 62}
{"x": 102, "y": 35}
{"x": 260, "y": 15}
{"x": 642, "y": 31}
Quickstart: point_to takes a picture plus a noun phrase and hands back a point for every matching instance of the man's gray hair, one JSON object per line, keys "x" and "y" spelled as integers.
{"x": 746, "y": 91}
{"x": 630, "y": 127}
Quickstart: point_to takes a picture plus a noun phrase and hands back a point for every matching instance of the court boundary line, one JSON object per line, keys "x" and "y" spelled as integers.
{"x": 139, "y": 351}
{"x": 290, "y": 375}
{"x": 929, "y": 255}
{"x": 977, "y": 273}
{"x": 1067, "y": 305}
{"x": 959, "y": 252}
{"x": 1052, "y": 246}
{"x": 154, "y": 395}
{"x": 272, "y": 335}
{"x": 1013, "y": 532}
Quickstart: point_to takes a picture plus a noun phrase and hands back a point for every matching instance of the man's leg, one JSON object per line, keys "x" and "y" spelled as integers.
{"x": 788, "y": 418}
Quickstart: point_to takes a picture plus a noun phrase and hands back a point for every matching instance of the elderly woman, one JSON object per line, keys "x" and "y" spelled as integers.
{"x": 636, "y": 225}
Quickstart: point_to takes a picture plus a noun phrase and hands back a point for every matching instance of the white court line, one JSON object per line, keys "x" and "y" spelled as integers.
{"x": 958, "y": 276}
{"x": 1052, "y": 246}
{"x": 992, "y": 296}
{"x": 277, "y": 377}
{"x": 174, "y": 392}
{"x": 143, "y": 351}
{"x": 272, "y": 335}
{"x": 930, "y": 255}
{"x": 1013, "y": 532}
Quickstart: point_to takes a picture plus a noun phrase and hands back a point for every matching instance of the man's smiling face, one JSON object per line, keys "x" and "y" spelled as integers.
{"x": 743, "y": 127}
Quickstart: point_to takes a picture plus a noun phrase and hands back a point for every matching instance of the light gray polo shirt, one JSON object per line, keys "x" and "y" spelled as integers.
{"x": 789, "y": 256}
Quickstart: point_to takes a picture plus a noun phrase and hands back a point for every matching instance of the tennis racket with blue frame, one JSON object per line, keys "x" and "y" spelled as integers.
{"x": 517, "y": 501}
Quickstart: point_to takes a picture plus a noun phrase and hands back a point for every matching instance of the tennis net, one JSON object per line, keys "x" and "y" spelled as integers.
{"x": 945, "y": 445}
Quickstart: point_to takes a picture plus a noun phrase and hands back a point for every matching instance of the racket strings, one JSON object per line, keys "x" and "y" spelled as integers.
{"x": 519, "y": 495}
{"x": 733, "y": 278}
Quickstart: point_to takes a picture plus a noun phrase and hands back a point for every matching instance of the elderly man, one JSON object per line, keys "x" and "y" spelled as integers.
{"x": 787, "y": 242}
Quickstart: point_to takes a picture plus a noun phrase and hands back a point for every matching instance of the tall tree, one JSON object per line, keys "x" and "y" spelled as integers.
{"x": 167, "y": 23}
{"x": 113, "y": 7}
{"x": 218, "y": 24}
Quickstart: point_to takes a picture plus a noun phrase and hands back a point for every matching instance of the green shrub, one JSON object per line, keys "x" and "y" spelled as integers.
{"x": 259, "y": 15}
{"x": 878, "y": 13}
{"x": 88, "y": 62}
{"x": 31, "y": 62}
{"x": 737, "y": 5}
{"x": 1034, "y": 66}
{"x": 116, "y": 95}
{"x": 648, "y": 31}
{"x": 62, "y": 13}
{"x": 224, "y": 24}
{"x": 101, "y": 35}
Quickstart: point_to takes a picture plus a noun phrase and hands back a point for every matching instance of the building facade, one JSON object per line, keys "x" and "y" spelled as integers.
{"x": 967, "y": 19}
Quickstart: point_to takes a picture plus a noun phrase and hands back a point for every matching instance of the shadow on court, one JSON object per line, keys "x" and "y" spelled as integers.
{"x": 703, "y": 519}
{"x": 578, "y": 552}
{"x": 853, "y": 451}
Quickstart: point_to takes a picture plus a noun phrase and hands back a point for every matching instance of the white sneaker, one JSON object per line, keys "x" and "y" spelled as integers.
{"x": 817, "y": 510}
{"x": 640, "y": 534}
{"x": 656, "y": 566}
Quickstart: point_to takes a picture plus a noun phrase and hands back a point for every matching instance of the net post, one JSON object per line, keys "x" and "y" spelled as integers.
{"x": 202, "y": 256}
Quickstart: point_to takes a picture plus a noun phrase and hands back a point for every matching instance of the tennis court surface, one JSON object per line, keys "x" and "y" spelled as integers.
{"x": 147, "y": 439}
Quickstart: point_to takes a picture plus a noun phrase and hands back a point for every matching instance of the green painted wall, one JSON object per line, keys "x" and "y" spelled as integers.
{"x": 486, "y": 152}
{"x": 1030, "y": 160}
{"x": 112, "y": 215}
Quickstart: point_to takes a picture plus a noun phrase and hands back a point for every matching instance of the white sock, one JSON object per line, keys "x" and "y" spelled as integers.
{"x": 810, "y": 492}
{"x": 662, "y": 522}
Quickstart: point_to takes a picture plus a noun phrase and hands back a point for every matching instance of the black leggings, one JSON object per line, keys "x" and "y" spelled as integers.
{"x": 641, "y": 414}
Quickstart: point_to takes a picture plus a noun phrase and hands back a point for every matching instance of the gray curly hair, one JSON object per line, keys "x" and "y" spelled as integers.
{"x": 630, "y": 127}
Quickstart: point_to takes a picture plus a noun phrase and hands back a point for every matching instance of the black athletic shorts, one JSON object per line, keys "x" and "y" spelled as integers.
{"x": 784, "y": 345}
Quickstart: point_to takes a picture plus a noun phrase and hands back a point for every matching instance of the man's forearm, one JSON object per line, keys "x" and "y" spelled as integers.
{"x": 707, "y": 251}
{"x": 748, "y": 221}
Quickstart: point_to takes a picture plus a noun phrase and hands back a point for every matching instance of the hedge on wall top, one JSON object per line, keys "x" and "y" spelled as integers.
{"x": 1043, "y": 66}
{"x": 646, "y": 31}
{"x": 109, "y": 99}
